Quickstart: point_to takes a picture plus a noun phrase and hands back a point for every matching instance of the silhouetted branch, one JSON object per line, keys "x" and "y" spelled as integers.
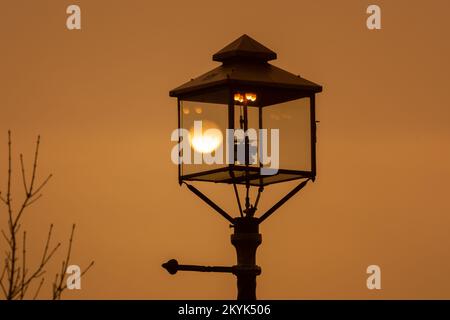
{"x": 59, "y": 285}
{"x": 15, "y": 278}
{"x": 1, "y": 280}
{"x": 3, "y": 199}
{"x": 39, "y": 288}
{"x": 36, "y": 153}
{"x": 23, "y": 174}
{"x": 6, "y": 237}
{"x": 41, "y": 186}
{"x": 33, "y": 201}
{"x": 24, "y": 272}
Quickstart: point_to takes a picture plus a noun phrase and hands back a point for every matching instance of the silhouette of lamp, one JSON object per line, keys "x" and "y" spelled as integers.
{"x": 245, "y": 94}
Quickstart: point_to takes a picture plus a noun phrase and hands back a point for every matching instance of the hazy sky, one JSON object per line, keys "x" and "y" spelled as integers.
{"x": 99, "y": 98}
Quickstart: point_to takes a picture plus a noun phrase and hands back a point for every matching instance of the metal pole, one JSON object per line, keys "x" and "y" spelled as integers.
{"x": 246, "y": 239}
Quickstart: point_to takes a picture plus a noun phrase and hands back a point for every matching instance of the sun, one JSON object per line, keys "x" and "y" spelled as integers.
{"x": 207, "y": 140}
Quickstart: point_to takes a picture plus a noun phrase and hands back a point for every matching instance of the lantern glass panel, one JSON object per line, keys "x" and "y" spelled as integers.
{"x": 293, "y": 120}
{"x": 206, "y": 125}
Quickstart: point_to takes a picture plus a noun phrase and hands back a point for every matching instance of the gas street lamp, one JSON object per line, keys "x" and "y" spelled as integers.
{"x": 229, "y": 119}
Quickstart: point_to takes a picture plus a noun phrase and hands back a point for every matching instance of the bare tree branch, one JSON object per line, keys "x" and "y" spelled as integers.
{"x": 59, "y": 285}
{"x": 6, "y": 237}
{"x": 3, "y": 199}
{"x": 41, "y": 186}
{"x": 1, "y": 280}
{"x": 15, "y": 278}
{"x": 24, "y": 272}
{"x": 33, "y": 201}
{"x": 24, "y": 179}
{"x": 39, "y": 288}
{"x": 36, "y": 153}
{"x": 13, "y": 245}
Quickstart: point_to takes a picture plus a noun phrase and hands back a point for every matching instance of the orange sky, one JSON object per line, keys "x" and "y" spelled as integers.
{"x": 99, "y": 98}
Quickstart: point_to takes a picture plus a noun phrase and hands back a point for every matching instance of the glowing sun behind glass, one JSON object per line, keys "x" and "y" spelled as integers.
{"x": 207, "y": 141}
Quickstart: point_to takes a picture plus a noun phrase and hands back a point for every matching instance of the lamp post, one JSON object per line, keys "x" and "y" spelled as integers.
{"x": 222, "y": 107}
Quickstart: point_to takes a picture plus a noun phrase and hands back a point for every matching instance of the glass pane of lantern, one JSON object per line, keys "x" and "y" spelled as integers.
{"x": 206, "y": 124}
{"x": 292, "y": 118}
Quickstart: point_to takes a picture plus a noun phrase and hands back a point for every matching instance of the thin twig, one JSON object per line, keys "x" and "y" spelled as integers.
{"x": 33, "y": 201}
{"x": 3, "y": 289}
{"x": 39, "y": 288}
{"x": 44, "y": 260}
{"x": 23, "y": 174}
{"x": 6, "y": 237}
{"x": 3, "y": 199}
{"x": 63, "y": 287}
{"x": 1, "y": 280}
{"x": 42, "y": 185}
{"x": 59, "y": 285}
{"x": 12, "y": 267}
{"x": 24, "y": 245}
{"x": 36, "y": 153}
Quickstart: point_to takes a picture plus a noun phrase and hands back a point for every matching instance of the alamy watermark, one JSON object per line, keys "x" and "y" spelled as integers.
{"x": 374, "y": 280}
{"x": 73, "y": 281}
{"x": 373, "y": 22}
{"x": 73, "y": 21}
{"x": 198, "y": 146}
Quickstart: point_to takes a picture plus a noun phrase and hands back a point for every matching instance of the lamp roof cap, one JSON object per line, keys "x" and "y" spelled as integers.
{"x": 246, "y": 48}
